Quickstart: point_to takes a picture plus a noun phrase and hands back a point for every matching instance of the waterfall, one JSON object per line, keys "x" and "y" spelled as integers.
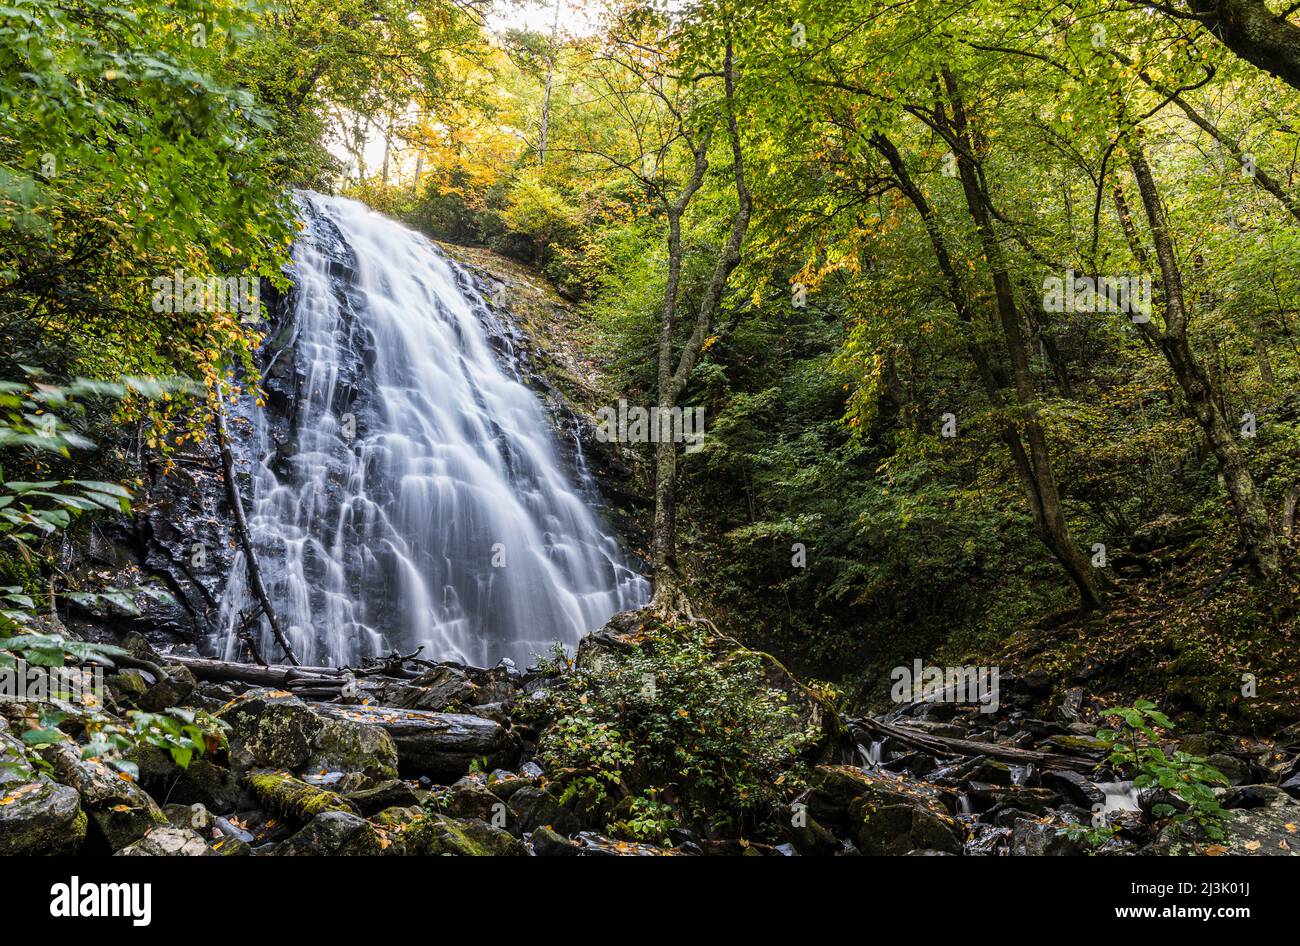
{"x": 406, "y": 487}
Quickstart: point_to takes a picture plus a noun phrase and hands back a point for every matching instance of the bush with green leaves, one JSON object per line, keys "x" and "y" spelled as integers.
{"x": 33, "y": 516}
{"x": 1134, "y": 748}
{"x": 680, "y": 721}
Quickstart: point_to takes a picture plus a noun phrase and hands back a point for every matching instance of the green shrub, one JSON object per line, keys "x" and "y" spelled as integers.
{"x": 678, "y": 722}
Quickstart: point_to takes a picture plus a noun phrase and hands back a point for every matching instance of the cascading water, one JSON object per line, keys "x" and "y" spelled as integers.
{"x": 406, "y": 487}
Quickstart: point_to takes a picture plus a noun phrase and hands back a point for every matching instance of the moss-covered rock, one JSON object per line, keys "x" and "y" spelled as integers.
{"x": 120, "y": 811}
{"x": 1267, "y": 830}
{"x": 335, "y": 833}
{"x": 37, "y": 815}
{"x": 343, "y": 745}
{"x": 273, "y": 728}
{"x": 293, "y": 798}
{"x": 439, "y": 835}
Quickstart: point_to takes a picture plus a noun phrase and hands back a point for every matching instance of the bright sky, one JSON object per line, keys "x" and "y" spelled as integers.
{"x": 577, "y": 17}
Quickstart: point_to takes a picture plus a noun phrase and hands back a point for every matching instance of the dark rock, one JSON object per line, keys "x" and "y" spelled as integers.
{"x": 1073, "y": 786}
{"x": 389, "y": 794}
{"x": 1251, "y": 796}
{"x": 1071, "y": 705}
{"x": 1038, "y": 839}
{"x": 440, "y": 745}
{"x": 810, "y": 838}
{"x": 37, "y": 815}
{"x": 468, "y": 798}
{"x": 532, "y": 808}
{"x": 1235, "y": 770}
{"x": 548, "y": 843}
{"x": 334, "y": 833}
{"x": 896, "y": 820}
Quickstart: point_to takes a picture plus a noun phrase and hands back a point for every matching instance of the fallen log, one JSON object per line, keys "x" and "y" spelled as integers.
{"x": 968, "y": 747}
{"x": 273, "y": 675}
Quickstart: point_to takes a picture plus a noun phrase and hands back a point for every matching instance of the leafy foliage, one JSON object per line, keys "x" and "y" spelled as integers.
{"x": 1135, "y": 747}
{"x": 680, "y": 723}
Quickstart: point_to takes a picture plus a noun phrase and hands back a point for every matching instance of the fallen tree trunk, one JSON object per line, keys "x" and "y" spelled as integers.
{"x": 284, "y": 677}
{"x": 241, "y": 528}
{"x": 967, "y": 747}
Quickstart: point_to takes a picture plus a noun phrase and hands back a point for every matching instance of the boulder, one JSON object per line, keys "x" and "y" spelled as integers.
{"x": 343, "y": 745}
{"x": 168, "y": 841}
{"x": 37, "y": 815}
{"x": 548, "y": 843}
{"x": 833, "y": 788}
{"x": 120, "y": 811}
{"x": 389, "y": 794}
{"x": 442, "y": 746}
{"x": 886, "y": 814}
{"x": 1270, "y": 828}
{"x": 441, "y": 835}
{"x": 532, "y": 808}
{"x": 470, "y": 799}
{"x": 272, "y": 728}
{"x": 334, "y": 833}
{"x": 897, "y": 822}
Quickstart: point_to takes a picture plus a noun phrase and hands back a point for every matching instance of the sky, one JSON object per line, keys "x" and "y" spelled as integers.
{"x": 576, "y": 16}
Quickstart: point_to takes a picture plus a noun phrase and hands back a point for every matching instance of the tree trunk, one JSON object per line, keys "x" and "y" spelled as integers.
{"x": 1251, "y": 30}
{"x": 1202, "y": 402}
{"x": 669, "y": 596}
{"x": 1049, "y": 521}
{"x": 1037, "y": 474}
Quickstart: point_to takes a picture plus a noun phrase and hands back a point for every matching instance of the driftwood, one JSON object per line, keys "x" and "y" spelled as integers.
{"x": 317, "y": 683}
{"x": 281, "y": 676}
{"x": 967, "y": 747}
{"x": 241, "y": 528}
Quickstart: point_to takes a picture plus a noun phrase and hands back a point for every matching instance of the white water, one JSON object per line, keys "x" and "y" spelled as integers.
{"x": 448, "y": 520}
{"x": 1119, "y": 796}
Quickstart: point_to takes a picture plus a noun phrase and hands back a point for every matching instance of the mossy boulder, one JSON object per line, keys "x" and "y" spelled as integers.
{"x": 335, "y": 833}
{"x": 272, "y": 728}
{"x": 343, "y": 745}
{"x": 120, "y": 811}
{"x": 433, "y": 835}
{"x": 293, "y": 798}
{"x": 37, "y": 815}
